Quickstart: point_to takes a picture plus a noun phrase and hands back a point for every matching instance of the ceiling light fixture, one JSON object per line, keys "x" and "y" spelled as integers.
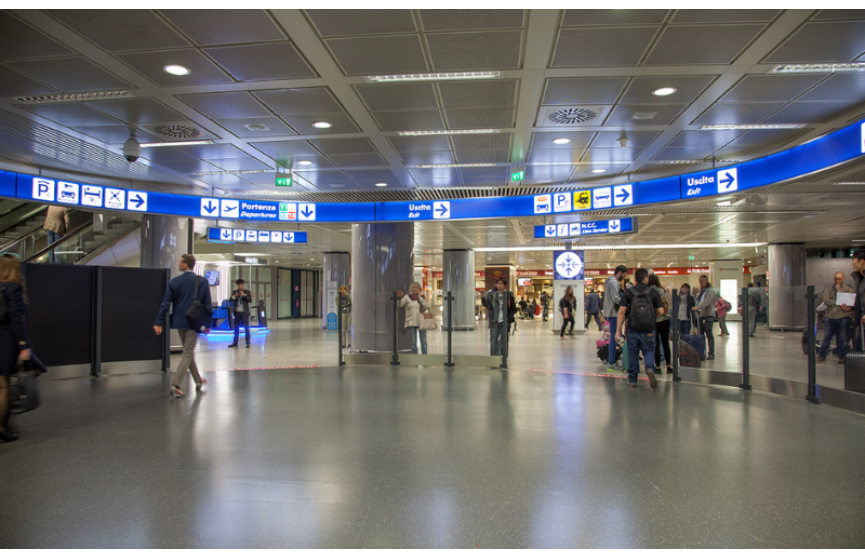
{"x": 176, "y": 70}
{"x": 459, "y": 165}
{"x": 599, "y": 171}
{"x": 818, "y": 68}
{"x": 210, "y": 173}
{"x": 322, "y": 125}
{"x": 433, "y": 76}
{"x": 715, "y": 127}
{"x": 602, "y": 247}
{"x": 449, "y": 132}
{"x": 664, "y": 91}
{"x": 643, "y": 115}
{"x": 728, "y": 202}
{"x": 727, "y": 219}
{"x": 304, "y": 162}
{"x": 848, "y": 184}
{"x": 381, "y": 184}
{"x": 694, "y": 161}
{"x": 177, "y": 143}
{"x": 73, "y": 97}
{"x": 561, "y": 141}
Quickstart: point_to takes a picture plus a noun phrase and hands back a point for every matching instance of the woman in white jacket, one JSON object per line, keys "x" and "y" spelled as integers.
{"x": 415, "y": 305}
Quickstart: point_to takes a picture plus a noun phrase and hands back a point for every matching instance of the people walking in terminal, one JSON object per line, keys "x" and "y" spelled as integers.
{"x": 662, "y": 328}
{"x": 344, "y": 303}
{"x": 611, "y": 307}
{"x": 593, "y": 309}
{"x": 706, "y": 309}
{"x": 180, "y": 295}
{"x": 503, "y": 308}
{"x": 533, "y": 308}
{"x": 241, "y": 299}
{"x": 13, "y": 334}
{"x": 838, "y": 321}
{"x": 640, "y": 306}
{"x": 721, "y": 309}
{"x": 545, "y": 302}
{"x": 524, "y": 307}
{"x": 686, "y": 302}
{"x": 567, "y": 305}
{"x": 859, "y": 313}
{"x": 415, "y": 304}
{"x": 55, "y": 227}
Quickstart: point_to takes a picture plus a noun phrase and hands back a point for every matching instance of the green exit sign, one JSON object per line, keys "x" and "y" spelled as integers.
{"x": 518, "y": 176}
{"x": 690, "y": 257}
{"x": 283, "y": 179}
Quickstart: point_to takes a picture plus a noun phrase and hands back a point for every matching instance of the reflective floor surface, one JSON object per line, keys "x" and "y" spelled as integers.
{"x": 424, "y": 457}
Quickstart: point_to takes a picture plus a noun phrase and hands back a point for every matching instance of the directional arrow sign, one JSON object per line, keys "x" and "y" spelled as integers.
{"x": 137, "y": 201}
{"x": 727, "y": 181}
{"x": 623, "y": 195}
{"x": 230, "y": 209}
{"x": 209, "y": 207}
{"x": 306, "y": 212}
{"x": 550, "y": 230}
{"x": 442, "y": 210}
{"x": 226, "y": 234}
{"x": 615, "y": 225}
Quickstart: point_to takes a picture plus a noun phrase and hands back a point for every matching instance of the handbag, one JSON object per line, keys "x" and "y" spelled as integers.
{"x": 23, "y": 391}
{"x": 199, "y": 316}
{"x": 428, "y": 322}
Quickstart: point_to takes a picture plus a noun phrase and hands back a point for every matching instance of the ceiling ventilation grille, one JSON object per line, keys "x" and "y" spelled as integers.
{"x": 177, "y": 131}
{"x": 573, "y": 116}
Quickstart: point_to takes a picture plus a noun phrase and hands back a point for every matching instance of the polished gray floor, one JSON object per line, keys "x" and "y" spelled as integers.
{"x": 424, "y": 457}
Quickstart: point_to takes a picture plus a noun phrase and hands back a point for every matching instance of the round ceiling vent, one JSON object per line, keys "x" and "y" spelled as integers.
{"x": 572, "y": 116}
{"x": 177, "y": 131}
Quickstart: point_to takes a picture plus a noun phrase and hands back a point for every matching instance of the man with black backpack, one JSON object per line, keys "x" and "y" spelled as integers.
{"x": 190, "y": 295}
{"x": 639, "y": 306}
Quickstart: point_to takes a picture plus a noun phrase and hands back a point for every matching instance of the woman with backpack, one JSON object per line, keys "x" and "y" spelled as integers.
{"x": 13, "y": 334}
{"x": 721, "y": 309}
{"x": 662, "y": 328}
{"x": 415, "y": 305}
{"x": 567, "y": 305}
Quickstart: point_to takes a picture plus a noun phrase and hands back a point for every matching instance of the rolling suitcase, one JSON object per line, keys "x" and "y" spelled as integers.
{"x": 698, "y": 342}
{"x": 688, "y": 355}
{"x": 854, "y": 369}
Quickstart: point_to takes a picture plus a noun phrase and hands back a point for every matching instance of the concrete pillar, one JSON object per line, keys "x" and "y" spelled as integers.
{"x": 458, "y": 276}
{"x": 787, "y": 304}
{"x": 335, "y": 273}
{"x": 381, "y": 263}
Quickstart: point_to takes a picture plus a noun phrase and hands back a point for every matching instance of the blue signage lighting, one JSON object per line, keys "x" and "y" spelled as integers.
{"x": 230, "y": 236}
{"x": 585, "y": 228}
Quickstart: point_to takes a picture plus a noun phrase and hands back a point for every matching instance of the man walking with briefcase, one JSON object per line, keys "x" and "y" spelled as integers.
{"x": 191, "y": 299}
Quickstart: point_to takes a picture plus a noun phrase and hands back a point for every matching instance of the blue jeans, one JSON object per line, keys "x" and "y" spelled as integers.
{"x": 839, "y": 328}
{"x": 613, "y": 323}
{"x": 640, "y": 342}
{"x": 413, "y": 332}
{"x": 684, "y": 328}
{"x": 52, "y": 237}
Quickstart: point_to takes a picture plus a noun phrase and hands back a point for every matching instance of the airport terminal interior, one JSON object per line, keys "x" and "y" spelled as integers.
{"x": 376, "y": 179}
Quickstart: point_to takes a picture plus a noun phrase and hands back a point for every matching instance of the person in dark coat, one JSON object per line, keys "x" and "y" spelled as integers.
{"x": 13, "y": 334}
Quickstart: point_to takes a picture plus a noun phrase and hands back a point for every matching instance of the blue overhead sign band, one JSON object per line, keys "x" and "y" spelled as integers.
{"x": 223, "y": 235}
{"x": 831, "y": 150}
{"x": 585, "y": 228}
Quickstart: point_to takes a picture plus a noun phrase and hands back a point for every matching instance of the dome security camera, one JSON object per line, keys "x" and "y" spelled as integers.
{"x": 131, "y": 149}
{"x": 624, "y": 140}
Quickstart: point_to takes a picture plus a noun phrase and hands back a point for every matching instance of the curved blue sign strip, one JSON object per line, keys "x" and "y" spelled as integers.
{"x": 831, "y": 150}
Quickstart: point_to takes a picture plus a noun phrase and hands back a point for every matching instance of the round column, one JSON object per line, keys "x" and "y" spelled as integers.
{"x": 381, "y": 262}
{"x": 787, "y": 305}
{"x": 335, "y": 273}
{"x": 458, "y": 276}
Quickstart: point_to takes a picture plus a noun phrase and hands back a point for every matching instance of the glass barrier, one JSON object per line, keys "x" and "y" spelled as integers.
{"x": 79, "y": 244}
{"x": 836, "y": 336}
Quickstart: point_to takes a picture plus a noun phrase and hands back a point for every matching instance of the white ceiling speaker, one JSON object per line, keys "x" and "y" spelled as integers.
{"x": 624, "y": 140}
{"x": 572, "y": 116}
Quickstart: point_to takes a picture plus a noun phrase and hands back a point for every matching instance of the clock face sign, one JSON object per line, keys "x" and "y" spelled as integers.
{"x": 569, "y": 265}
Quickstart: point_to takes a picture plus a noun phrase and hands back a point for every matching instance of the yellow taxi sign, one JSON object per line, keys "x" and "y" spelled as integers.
{"x": 583, "y": 199}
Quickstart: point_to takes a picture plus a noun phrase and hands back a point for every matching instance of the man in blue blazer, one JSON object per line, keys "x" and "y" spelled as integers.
{"x": 181, "y": 292}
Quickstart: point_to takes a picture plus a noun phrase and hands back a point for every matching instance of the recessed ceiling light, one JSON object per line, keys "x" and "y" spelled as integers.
{"x": 449, "y": 132}
{"x": 818, "y": 68}
{"x": 434, "y": 76}
{"x": 664, "y": 91}
{"x": 70, "y": 97}
{"x": 177, "y": 143}
{"x": 256, "y": 127}
{"x": 598, "y": 171}
{"x": 209, "y": 173}
{"x": 456, "y": 165}
{"x": 176, "y": 70}
{"x": 644, "y": 115}
{"x": 561, "y": 141}
{"x": 321, "y": 125}
{"x": 304, "y": 162}
{"x": 713, "y": 127}
{"x": 381, "y": 184}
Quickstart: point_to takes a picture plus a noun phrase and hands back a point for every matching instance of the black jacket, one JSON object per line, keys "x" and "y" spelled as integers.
{"x": 241, "y": 304}
{"x": 13, "y": 333}
{"x": 859, "y": 282}
{"x": 512, "y": 305}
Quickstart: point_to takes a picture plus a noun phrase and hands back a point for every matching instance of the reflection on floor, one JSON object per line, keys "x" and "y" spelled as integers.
{"x": 533, "y": 346}
{"x": 425, "y": 457}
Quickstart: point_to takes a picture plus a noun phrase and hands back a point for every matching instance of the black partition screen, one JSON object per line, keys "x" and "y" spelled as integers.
{"x": 60, "y": 312}
{"x": 130, "y": 302}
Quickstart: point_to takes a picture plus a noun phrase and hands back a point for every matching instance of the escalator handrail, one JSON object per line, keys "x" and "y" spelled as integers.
{"x": 124, "y": 234}
{"x": 25, "y": 218}
{"x": 50, "y": 247}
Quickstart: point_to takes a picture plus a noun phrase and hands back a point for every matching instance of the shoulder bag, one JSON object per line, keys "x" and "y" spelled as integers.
{"x": 199, "y": 316}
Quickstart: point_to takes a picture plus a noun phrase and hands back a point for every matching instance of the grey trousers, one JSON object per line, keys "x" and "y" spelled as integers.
{"x": 498, "y": 332}
{"x": 188, "y": 337}
{"x": 752, "y": 320}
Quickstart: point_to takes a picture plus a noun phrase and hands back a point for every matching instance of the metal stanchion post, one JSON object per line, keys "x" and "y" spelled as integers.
{"x": 674, "y": 324}
{"x": 746, "y": 341}
{"x": 339, "y": 327}
{"x": 812, "y": 347}
{"x": 505, "y": 329}
{"x": 450, "y": 300}
{"x": 395, "y": 360}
